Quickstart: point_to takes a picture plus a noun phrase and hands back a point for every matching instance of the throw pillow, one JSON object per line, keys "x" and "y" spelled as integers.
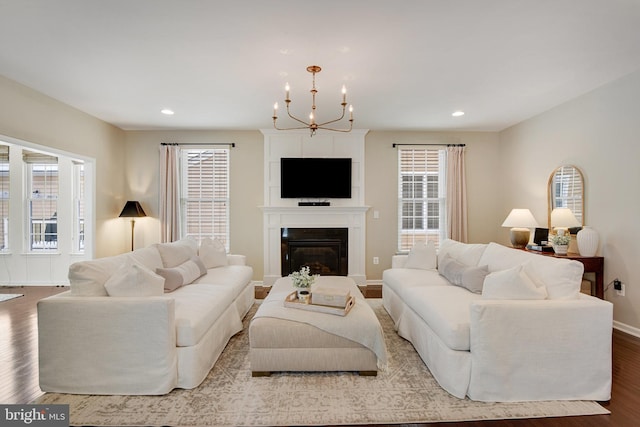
{"x": 213, "y": 253}
{"x": 182, "y": 275}
{"x": 134, "y": 280}
{"x": 178, "y": 252}
{"x": 451, "y": 270}
{"x": 513, "y": 283}
{"x": 473, "y": 278}
{"x": 422, "y": 256}
{"x": 458, "y": 274}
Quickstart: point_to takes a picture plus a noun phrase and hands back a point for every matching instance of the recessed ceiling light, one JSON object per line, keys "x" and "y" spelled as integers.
{"x": 167, "y": 112}
{"x": 458, "y": 114}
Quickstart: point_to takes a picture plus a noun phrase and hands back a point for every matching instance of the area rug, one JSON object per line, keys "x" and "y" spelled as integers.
{"x": 7, "y": 297}
{"x": 404, "y": 393}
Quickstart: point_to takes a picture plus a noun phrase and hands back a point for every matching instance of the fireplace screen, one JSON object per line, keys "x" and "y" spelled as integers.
{"x": 323, "y": 250}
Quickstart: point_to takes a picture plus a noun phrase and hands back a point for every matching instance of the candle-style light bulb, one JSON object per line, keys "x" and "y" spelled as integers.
{"x": 350, "y": 112}
{"x": 275, "y": 110}
{"x": 287, "y": 88}
{"x": 344, "y": 94}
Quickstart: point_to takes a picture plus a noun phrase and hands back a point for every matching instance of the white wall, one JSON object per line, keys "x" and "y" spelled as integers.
{"x": 600, "y": 133}
{"x": 141, "y": 171}
{"x": 30, "y": 116}
{"x": 380, "y": 169}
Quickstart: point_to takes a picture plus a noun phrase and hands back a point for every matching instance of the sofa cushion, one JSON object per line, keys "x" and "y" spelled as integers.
{"x": 183, "y": 274}
{"x": 422, "y": 256}
{"x": 197, "y": 308}
{"x": 213, "y": 253}
{"x": 561, "y": 277}
{"x": 446, "y": 310}
{"x": 178, "y": 252}
{"x": 234, "y": 277}
{"x": 465, "y": 253}
{"x": 513, "y": 283}
{"x": 134, "y": 280}
{"x": 402, "y": 279}
{"x": 87, "y": 278}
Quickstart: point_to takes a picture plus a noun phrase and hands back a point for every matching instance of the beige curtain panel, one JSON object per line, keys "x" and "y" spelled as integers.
{"x": 456, "y": 194}
{"x": 169, "y": 193}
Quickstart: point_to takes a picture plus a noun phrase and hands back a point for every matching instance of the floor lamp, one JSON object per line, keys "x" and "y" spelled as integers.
{"x": 132, "y": 209}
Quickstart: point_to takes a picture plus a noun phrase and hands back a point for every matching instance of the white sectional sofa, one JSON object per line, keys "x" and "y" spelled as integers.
{"x": 500, "y": 324}
{"x": 144, "y": 322}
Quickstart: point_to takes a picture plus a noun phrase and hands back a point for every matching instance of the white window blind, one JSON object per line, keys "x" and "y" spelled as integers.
{"x": 42, "y": 199}
{"x": 421, "y": 191}
{"x": 4, "y": 197}
{"x": 78, "y": 206}
{"x": 205, "y": 193}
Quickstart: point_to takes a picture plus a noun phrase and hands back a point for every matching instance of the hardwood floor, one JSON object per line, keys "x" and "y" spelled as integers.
{"x": 19, "y": 368}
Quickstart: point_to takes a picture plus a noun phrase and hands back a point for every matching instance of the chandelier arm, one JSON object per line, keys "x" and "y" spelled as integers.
{"x": 301, "y": 127}
{"x": 339, "y": 130}
{"x": 297, "y": 119}
{"x": 333, "y": 121}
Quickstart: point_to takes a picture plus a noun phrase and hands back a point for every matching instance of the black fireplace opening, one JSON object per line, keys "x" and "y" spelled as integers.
{"x": 323, "y": 250}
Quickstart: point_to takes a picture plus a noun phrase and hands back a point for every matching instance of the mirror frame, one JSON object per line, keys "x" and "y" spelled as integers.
{"x": 550, "y": 194}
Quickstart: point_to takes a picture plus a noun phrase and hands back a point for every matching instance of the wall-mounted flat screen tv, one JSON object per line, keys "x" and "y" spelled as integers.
{"x": 309, "y": 177}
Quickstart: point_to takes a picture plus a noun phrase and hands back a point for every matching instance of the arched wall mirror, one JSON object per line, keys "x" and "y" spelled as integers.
{"x": 566, "y": 190}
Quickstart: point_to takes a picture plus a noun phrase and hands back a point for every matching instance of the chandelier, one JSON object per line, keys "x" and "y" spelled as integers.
{"x": 312, "y": 125}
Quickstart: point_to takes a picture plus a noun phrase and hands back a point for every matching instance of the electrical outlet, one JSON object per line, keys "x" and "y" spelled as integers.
{"x": 621, "y": 291}
{"x": 376, "y": 260}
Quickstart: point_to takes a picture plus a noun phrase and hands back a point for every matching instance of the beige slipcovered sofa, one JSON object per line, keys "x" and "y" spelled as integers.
{"x": 500, "y": 324}
{"x": 144, "y": 322}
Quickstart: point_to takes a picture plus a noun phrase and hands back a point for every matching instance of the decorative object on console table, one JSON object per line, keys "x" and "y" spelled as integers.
{"x": 520, "y": 221}
{"x": 563, "y": 219}
{"x": 132, "y": 209}
{"x": 561, "y": 242}
{"x": 588, "y": 240}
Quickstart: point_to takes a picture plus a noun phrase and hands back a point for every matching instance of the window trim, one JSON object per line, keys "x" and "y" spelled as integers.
{"x": 224, "y": 181}
{"x": 407, "y": 236}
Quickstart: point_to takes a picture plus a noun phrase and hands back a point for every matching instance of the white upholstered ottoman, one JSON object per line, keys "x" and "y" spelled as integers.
{"x": 289, "y": 339}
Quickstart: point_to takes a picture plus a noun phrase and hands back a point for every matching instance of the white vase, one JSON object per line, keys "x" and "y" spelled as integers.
{"x": 588, "y": 240}
{"x": 560, "y": 249}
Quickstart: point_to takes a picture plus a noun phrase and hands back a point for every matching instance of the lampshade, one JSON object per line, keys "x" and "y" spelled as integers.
{"x": 132, "y": 209}
{"x": 520, "y": 218}
{"x": 520, "y": 221}
{"x": 564, "y": 218}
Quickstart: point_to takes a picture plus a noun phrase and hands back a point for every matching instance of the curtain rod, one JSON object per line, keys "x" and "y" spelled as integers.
{"x": 232, "y": 144}
{"x": 434, "y": 145}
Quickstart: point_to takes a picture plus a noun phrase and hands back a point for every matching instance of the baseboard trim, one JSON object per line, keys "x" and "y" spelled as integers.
{"x": 627, "y": 329}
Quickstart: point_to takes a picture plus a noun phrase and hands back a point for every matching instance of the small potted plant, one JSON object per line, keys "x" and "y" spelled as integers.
{"x": 302, "y": 281}
{"x": 561, "y": 243}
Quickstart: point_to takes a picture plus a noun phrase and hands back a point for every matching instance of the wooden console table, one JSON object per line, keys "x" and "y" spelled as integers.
{"x": 592, "y": 264}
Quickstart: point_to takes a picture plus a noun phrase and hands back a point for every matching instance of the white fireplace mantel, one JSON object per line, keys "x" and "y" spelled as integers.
{"x": 352, "y": 218}
{"x": 342, "y": 213}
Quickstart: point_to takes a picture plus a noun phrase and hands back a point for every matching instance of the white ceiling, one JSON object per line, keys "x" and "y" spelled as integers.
{"x": 407, "y": 64}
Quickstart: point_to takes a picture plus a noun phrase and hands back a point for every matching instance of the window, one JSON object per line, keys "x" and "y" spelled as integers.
{"x": 204, "y": 197}
{"x": 421, "y": 207}
{"x": 78, "y": 206}
{"x": 4, "y": 197}
{"x": 42, "y": 200}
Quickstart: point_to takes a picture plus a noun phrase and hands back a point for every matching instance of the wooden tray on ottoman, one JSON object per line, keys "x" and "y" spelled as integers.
{"x": 292, "y": 301}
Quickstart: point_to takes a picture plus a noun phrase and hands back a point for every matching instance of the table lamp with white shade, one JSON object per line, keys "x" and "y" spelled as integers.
{"x": 562, "y": 219}
{"x": 520, "y": 221}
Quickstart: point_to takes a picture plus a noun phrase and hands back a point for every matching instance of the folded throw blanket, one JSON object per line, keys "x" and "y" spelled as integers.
{"x": 360, "y": 325}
